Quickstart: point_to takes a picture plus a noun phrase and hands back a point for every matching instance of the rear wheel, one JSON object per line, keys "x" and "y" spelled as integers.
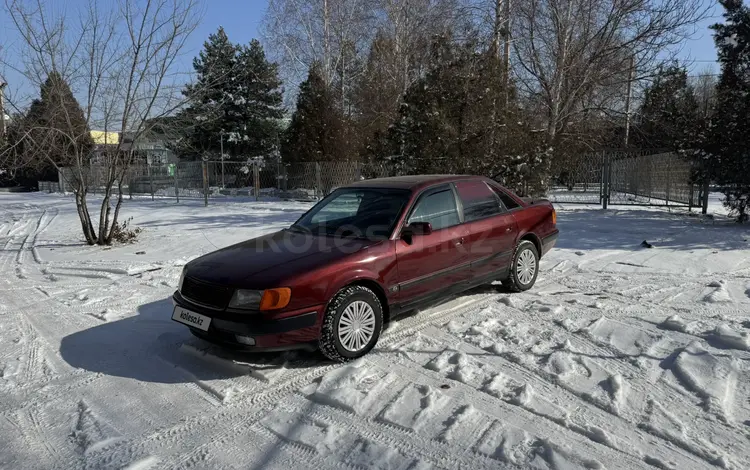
{"x": 352, "y": 324}
{"x": 524, "y": 268}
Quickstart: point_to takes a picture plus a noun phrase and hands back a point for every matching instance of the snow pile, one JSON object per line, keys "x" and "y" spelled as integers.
{"x": 719, "y": 295}
{"x": 729, "y": 338}
{"x": 710, "y": 377}
{"x": 675, "y": 323}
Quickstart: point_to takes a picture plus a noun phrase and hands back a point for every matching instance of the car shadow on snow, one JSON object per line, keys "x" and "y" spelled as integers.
{"x": 150, "y": 347}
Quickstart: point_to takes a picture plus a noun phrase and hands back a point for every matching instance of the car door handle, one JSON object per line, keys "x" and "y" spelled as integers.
{"x": 460, "y": 241}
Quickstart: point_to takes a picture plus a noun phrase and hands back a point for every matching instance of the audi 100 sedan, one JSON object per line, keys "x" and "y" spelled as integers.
{"x": 362, "y": 255}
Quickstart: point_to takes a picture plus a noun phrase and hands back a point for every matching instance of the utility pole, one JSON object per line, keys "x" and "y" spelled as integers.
{"x": 628, "y": 98}
{"x": 2, "y": 109}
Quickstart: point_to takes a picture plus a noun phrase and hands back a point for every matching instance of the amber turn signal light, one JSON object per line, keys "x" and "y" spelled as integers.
{"x": 274, "y": 299}
{"x": 554, "y": 217}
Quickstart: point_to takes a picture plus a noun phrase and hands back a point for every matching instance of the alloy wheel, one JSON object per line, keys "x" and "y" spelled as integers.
{"x": 356, "y": 326}
{"x": 526, "y": 267}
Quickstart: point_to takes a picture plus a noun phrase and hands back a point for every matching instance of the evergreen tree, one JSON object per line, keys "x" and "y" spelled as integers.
{"x": 57, "y": 124}
{"x": 454, "y": 120}
{"x": 728, "y": 143}
{"x": 315, "y": 131}
{"x": 377, "y": 94}
{"x": 669, "y": 116}
{"x": 261, "y": 95}
{"x": 236, "y": 101}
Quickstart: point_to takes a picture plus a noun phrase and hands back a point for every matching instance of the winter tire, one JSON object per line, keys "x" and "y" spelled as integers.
{"x": 524, "y": 267}
{"x": 352, "y": 324}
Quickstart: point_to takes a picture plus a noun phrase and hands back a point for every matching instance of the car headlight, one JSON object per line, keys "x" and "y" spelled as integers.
{"x": 246, "y": 299}
{"x": 182, "y": 278}
{"x": 263, "y": 300}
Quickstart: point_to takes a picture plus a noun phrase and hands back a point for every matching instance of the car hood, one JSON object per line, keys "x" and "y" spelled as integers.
{"x": 289, "y": 251}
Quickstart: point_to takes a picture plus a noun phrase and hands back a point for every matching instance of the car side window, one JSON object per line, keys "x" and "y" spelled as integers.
{"x": 438, "y": 208}
{"x": 478, "y": 200}
{"x": 508, "y": 201}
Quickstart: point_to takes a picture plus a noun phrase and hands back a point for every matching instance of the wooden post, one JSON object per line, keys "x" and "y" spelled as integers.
{"x": 205, "y": 182}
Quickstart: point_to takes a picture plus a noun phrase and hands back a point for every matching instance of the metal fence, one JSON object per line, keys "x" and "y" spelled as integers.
{"x": 603, "y": 178}
{"x": 625, "y": 178}
{"x": 306, "y": 181}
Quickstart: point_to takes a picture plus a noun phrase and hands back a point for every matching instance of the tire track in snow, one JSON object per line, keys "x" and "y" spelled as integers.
{"x": 543, "y": 381}
{"x": 233, "y": 417}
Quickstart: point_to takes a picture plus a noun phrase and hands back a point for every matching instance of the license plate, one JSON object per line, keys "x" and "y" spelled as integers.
{"x": 196, "y": 320}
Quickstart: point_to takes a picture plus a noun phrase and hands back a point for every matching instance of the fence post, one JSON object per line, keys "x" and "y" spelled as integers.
{"x": 150, "y": 180}
{"x": 256, "y": 179}
{"x": 605, "y": 181}
{"x": 318, "y": 185}
{"x": 176, "y": 184}
{"x": 704, "y": 210}
{"x": 205, "y": 182}
{"x": 669, "y": 177}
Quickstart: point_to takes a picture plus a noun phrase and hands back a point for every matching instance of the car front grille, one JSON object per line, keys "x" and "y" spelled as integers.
{"x": 210, "y": 295}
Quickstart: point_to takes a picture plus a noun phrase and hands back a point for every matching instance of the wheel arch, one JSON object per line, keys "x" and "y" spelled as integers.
{"x": 374, "y": 286}
{"x": 530, "y": 236}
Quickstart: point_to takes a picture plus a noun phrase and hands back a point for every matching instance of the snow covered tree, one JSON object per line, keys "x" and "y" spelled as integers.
{"x": 669, "y": 115}
{"x": 728, "y": 143}
{"x": 236, "y": 100}
{"x": 315, "y": 132}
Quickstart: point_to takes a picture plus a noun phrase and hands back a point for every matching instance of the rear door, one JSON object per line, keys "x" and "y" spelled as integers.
{"x": 491, "y": 229}
{"x": 434, "y": 262}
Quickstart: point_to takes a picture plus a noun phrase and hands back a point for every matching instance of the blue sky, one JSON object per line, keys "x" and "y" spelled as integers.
{"x": 241, "y": 19}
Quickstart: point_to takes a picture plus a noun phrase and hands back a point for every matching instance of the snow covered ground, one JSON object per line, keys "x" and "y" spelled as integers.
{"x": 620, "y": 357}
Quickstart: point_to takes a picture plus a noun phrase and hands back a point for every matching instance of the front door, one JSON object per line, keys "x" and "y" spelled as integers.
{"x": 429, "y": 264}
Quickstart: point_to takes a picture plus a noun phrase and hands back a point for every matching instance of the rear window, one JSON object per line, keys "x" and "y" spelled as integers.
{"x": 508, "y": 201}
{"x": 478, "y": 200}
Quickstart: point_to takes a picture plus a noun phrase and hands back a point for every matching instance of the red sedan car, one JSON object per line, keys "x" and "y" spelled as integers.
{"x": 361, "y": 256}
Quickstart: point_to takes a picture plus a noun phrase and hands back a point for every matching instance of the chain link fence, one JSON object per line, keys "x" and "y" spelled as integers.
{"x": 624, "y": 178}
{"x": 211, "y": 179}
{"x": 614, "y": 177}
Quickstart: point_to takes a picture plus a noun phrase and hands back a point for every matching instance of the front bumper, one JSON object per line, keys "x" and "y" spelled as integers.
{"x": 296, "y": 329}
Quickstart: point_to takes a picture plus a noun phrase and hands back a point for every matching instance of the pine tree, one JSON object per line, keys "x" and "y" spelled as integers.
{"x": 377, "y": 95}
{"x": 728, "y": 143}
{"x": 236, "y": 101}
{"x": 669, "y": 116}
{"x": 454, "y": 120}
{"x": 57, "y": 124}
{"x": 315, "y": 131}
{"x": 260, "y": 97}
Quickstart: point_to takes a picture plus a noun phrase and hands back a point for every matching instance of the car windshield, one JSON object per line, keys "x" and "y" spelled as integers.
{"x": 355, "y": 212}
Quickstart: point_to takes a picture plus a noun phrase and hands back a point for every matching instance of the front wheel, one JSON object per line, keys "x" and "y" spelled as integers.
{"x": 352, "y": 324}
{"x": 524, "y": 267}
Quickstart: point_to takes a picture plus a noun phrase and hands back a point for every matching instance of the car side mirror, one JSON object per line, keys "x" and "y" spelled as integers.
{"x": 416, "y": 229}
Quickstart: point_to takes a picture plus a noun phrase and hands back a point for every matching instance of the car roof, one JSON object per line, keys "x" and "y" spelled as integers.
{"x": 413, "y": 183}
